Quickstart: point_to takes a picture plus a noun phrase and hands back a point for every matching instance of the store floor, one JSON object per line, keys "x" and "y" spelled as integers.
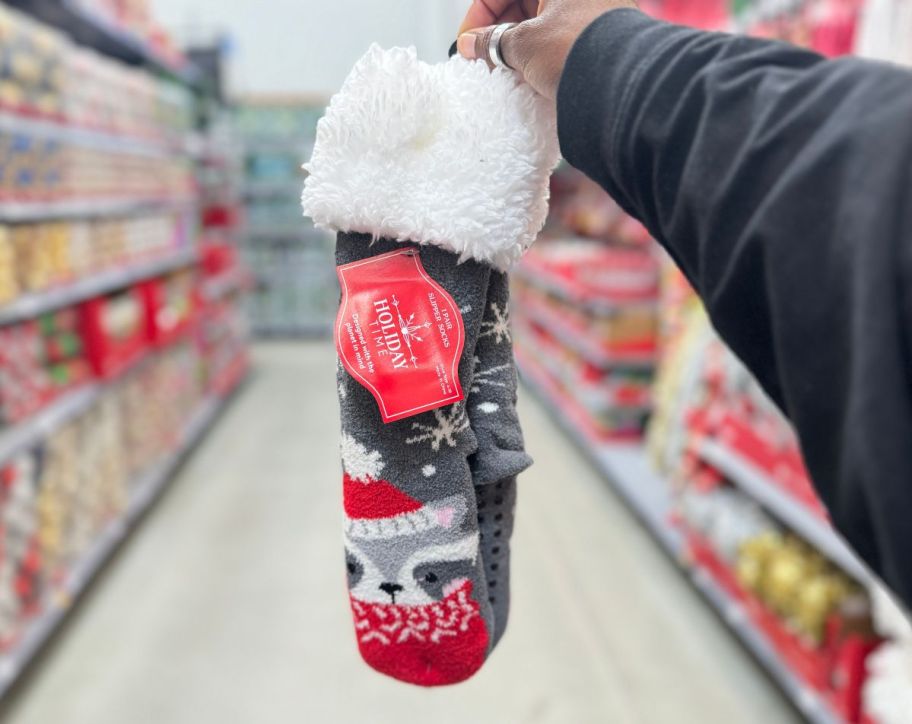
{"x": 228, "y": 604}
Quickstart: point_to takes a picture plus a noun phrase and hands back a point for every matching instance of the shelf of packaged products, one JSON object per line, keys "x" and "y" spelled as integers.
{"x": 630, "y": 473}
{"x": 565, "y": 333}
{"x": 317, "y": 330}
{"x": 88, "y": 27}
{"x": 31, "y": 305}
{"x": 25, "y": 211}
{"x": 28, "y": 432}
{"x": 584, "y": 416}
{"x": 593, "y": 396}
{"x": 275, "y": 233}
{"x": 233, "y": 372}
{"x": 226, "y": 283}
{"x": 104, "y": 140}
{"x": 762, "y": 10}
{"x": 794, "y": 514}
{"x": 563, "y": 289}
{"x": 260, "y": 189}
{"x": 146, "y": 490}
{"x": 204, "y": 147}
{"x": 808, "y": 702}
{"x": 624, "y": 464}
{"x": 277, "y": 144}
{"x": 31, "y": 430}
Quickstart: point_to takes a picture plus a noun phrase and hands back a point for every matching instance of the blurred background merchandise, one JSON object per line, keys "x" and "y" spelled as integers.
{"x": 150, "y": 225}
{"x": 297, "y": 291}
{"x": 121, "y": 330}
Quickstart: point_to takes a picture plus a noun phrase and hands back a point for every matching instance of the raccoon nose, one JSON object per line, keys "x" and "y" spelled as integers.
{"x": 391, "y": 588}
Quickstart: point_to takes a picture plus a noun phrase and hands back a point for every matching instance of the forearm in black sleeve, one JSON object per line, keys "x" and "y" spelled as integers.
{"x": 781, "y": 183}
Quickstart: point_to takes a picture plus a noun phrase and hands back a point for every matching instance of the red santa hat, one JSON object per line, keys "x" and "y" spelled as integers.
{"x": 377, "y": 509}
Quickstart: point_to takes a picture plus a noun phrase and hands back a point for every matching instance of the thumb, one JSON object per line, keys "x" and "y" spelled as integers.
{"x": 476, "y": 45}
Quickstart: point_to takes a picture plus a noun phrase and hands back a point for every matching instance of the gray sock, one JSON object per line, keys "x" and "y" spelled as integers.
{"x": 501, "y": 454}
{"x": 417, "y": 583}
{"x": 492, "y": 396}
{"x": 496, "y": 512}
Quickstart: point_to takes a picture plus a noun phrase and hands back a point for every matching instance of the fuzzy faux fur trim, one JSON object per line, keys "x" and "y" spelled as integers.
{"x": 450, "y": 154}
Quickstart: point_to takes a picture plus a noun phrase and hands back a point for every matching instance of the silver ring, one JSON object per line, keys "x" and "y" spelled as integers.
{"x": 494, "y": 44}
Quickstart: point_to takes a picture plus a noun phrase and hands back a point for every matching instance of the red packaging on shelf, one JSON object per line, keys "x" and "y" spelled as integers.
{"x": 706, "y": 14}
{"x": 216, "y": 258}
{"x": 170, "y": 305}
{"x": 115, "y": 330}
{"x": 849, "y": 670}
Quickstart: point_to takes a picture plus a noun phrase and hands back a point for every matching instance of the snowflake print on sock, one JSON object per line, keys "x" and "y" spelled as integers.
{"x": 450, "y": 422}
{"x": 487, "y": 377}
{"x": 499, "y": 327}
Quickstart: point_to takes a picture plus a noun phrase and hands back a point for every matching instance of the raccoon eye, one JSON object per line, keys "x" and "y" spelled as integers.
{"x": 430, "y": 577}
{"x": 351, "y": 567}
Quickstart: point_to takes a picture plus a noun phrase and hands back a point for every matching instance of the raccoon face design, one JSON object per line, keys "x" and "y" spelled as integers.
{"x": 413, "y": 559}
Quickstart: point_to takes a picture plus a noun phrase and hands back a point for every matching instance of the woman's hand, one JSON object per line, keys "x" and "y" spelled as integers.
{"x": 538, "y": 47}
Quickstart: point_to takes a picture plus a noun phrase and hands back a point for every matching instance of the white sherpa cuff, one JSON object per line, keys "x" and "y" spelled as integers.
{"x": 451, "y": 154}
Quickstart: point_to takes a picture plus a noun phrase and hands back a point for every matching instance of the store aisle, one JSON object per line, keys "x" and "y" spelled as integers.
{"x": 228, "y": 605}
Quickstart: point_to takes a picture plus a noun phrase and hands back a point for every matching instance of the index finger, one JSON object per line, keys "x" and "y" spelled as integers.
{"x": 485, "y": 12}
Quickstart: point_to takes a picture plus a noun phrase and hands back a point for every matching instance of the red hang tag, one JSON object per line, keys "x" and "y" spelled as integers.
{"x": 399, "y": 334}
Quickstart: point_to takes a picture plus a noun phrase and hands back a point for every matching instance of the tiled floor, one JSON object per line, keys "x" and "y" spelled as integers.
{"x": 228, "y": 604}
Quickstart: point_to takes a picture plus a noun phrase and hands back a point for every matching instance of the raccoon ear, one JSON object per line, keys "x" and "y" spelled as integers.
{"x": 450, "y": 512}
{"x": 445, "y": 516}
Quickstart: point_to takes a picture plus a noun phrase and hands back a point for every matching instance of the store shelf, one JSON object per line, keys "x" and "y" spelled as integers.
{"x": 594, "y": 396}
{"x": 267, "y": 189}
{"x": 631, "y": 475}
{"x": 32, "y": 430}
{"x": 66, "y": 133}
{"x": 227, "y": 283}
{"x": 765, "y": 10}
{"x": 808, "y": 702}
{"x": 145, "y": 491}
{"x": 277, "y": 144}
{"x": 581, "y": 343}
{"x": 792, "y": 512}
{"x": 598, "y": 396}
{"x": 31, "y": 305}
{"x": 278, "y": 233}
{"x": 89, "y": 28}
{"x": 23, "y": 211}
{"x": 562, "y": 289}
{"x": 624, "y": 464}
{"x": 232, "y": 373}
{"x": 316, "y": 330}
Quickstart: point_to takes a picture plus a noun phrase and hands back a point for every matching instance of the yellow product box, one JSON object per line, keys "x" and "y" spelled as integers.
{"x": 56, "y": 239}
{"x": 9, "y": 287}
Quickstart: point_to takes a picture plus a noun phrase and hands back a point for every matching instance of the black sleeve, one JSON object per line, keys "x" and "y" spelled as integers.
{"x": 781, "y": 183}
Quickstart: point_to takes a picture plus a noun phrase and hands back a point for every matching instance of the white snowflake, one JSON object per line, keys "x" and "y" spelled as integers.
{"x": 410, "y": 330}
{"x": 499, "y": 327}
{"x": 450, "y": 422}
{"x": 428, "y": 470}
{"x": 358, "y": 461}
{"x": 487, "y": 377}
{"x": 488, "y": 408}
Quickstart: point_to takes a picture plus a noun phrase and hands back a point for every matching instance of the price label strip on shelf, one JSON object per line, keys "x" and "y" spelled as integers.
{"x": 399, "y": 334}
